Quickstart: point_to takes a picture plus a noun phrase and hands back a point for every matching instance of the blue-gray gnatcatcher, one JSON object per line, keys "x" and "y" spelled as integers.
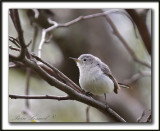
{"x": 95, "y": 76}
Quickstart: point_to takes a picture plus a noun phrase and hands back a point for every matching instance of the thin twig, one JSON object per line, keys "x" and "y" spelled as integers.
{"x": 146, "y": 116}
{"x": 49, "y": 39}
{"x": 30, "y": 42}
{"x": 15, "y": 64}
{"x": 39, "y": 97}
{"x": 36, "y": 13}
{"x": 43, "y": 37}
{"x": 137, "y": 76}
{"x": 28, "y": 73}
{"x": 87, "y": 114}
{"x": 13, "y": 48}
{"x": 15, "y": 41}
{"x": 12, "y": 64}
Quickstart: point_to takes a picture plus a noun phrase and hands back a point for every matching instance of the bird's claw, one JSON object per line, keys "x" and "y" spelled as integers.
{"x": 87, "y": 93}
{"x": 106, "y": 106}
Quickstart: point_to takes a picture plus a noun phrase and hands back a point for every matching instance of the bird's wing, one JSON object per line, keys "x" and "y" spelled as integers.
{"x": 107, "y": 71}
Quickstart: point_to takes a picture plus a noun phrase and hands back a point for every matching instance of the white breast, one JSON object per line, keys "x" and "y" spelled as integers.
{"x": 95, "y": 81}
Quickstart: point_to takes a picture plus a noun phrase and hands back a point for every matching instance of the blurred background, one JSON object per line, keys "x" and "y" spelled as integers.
{"x": 94, "y": 36}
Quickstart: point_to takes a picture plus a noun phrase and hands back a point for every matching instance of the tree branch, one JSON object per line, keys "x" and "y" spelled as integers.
{"x": 15, "y": 41}
{"x": 73, "y": 94}
{"x": 137, "y": 76}
{"x": 142, "y": 27}
{"x": 54, "y": 72}
{"x": 130, "y": 51}
{"x": 146, "y": 116}
{"x": 60, "y": 75}
{"x": 39, "y": 97}
{"x": 87, "y": 114}
{"x": 15, "y": 18}
{"x": 57, "y": 25}
{"x": 36, "y": 13}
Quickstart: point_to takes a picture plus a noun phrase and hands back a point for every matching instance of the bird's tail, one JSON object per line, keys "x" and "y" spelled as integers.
{"x": 123, "y": 85}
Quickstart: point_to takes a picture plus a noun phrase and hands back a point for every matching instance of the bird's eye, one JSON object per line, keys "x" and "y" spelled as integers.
{"x": 84, "y": 59}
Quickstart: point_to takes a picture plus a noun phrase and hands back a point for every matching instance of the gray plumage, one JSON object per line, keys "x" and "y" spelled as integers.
{"x": 95, "y": 76}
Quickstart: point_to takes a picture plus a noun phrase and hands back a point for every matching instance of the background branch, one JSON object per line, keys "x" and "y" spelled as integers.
{"x": 78, "y": 19}
{"x": 87, "y": 114}
{"x": 137, "y": 76}
{"x": 146, "y": 116}
{"x": 28, "y": 70}
{"x": 126, "y": 45}
{"x": 142, "y": 27}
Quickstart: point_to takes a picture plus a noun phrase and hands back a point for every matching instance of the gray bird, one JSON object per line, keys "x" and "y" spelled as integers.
{"x": 95, "y": 76}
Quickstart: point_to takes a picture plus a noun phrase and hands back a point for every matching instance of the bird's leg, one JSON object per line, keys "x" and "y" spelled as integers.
{"x": 106, "y": 101}
{"x": 105, "y": 96}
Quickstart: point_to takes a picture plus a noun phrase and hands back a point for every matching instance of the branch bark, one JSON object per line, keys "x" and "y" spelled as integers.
{"x": 16, "y": 21}
{"x": 39, "y": 97}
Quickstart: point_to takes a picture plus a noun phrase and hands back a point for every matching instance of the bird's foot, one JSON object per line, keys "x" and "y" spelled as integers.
{"x": 87, "y": 93}
{"x": 106, "y": 106}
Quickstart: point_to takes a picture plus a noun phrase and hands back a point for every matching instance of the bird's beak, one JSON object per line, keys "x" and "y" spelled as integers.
{"x": 75, "y": 59}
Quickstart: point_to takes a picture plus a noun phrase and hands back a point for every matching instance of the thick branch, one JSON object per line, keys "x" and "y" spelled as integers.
{"x": 62, "y": 77}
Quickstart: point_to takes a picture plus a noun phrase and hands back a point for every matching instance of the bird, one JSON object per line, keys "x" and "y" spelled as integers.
{"x": 95, "y": 76}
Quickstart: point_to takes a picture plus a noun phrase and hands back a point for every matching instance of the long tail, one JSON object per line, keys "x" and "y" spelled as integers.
{"x": 123, "y": 85}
